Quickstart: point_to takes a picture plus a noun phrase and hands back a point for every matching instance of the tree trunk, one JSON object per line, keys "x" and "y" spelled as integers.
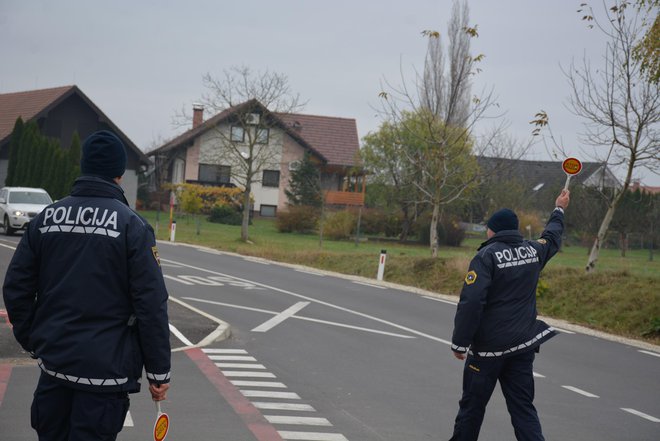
{"x": 434, "y": 230}
{"x": 602, "y": 231}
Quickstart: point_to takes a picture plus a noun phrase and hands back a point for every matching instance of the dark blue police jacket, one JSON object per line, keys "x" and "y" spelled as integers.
{"x": 85, "y": 292}
{"x": 496, "y": 314}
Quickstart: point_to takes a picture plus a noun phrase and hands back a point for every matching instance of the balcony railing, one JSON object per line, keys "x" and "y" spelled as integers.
{"x": 344, "y": 198}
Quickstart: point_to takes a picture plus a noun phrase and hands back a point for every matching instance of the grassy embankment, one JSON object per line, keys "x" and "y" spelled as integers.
{"x": 622, "y": 297}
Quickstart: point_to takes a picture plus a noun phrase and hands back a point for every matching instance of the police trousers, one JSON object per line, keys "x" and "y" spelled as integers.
{"x": 516, "y": 378}
{"x": 61, "y": 413}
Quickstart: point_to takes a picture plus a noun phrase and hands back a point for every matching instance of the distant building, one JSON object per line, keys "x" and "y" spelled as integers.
{"x": 196, "y": 155}
{"x": 59, "y": 112}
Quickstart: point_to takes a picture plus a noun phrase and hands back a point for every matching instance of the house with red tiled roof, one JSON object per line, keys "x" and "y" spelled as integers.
{"x": 199, "y": 155}
{"x": 59, "y": 112}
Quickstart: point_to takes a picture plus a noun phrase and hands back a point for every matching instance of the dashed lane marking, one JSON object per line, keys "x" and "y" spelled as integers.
{"x": 273, "y": 384}
{"x": 655, "y": 354}
{"x": 270, "y": 394}
{"x": 311, "y": 436}
{"x": 536, "y": 374}
{"x": 224, "y": 351}
{"x": 581, "y": 392}
{"x": 298, "y": 420}
{"x": 297, "y": 407}
{"x": 641, "y": 414}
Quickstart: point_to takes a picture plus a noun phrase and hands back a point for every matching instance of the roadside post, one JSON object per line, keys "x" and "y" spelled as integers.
{"x": 173, "y": 231}
{"x": 571, "y": 166}
{"x": 381, "y": 264}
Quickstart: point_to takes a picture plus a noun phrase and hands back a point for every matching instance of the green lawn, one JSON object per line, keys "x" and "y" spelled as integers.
{"x": 622, "y": 297}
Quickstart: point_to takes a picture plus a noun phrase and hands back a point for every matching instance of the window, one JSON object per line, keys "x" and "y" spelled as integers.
{"x": 237, "y": 134}
{"x": 271, "y": 178}
{"x": 267, "y": 210}
{"x": 178, "y": 170}
{"x": 262, "y": 136}
{"x": 214, "y": 174}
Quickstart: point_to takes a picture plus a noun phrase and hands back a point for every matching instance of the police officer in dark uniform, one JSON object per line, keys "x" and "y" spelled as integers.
{"x": 496, "y": 324}
{"x": 85, "y": 294}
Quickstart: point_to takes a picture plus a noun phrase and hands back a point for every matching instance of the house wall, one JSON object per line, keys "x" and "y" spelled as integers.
{"x": 291, "y": 151}
{"x": 192, "y": 161}
{"x": 209, "y": 153}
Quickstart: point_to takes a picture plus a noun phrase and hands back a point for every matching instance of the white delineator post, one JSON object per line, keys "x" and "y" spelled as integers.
{"x": 381, "y": 264}
{"x": 173, "y": 231}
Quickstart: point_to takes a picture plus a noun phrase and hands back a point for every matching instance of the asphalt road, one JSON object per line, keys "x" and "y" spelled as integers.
{"x": 324, "y": 357}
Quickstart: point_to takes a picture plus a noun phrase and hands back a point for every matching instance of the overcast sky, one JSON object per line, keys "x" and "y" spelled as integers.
{"x": 141, "y": 61}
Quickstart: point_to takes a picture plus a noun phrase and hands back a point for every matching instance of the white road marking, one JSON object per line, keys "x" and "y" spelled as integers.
{"x": 279, "y": 318}
{"x": 199, "y": 280}
{"x": 320, "y": 302}
{"x": 176, "y": 279}
{"x": 563, "y": 331}
{"x": 283, "y": 406}
{"x": 440, "y": 300}
{"x": 641, "y": 414}
{"x": 128, "y": 421}
{"x": 581, "y": 392}
{"x": 232, "y": 358}
{"x": 270, "y": 394}
{"x": 274, "y": 384}
{"x": 240, "y": 366}
{"x": 655, "y": 354}
{"x": 179, "y": 335}
{"x": 298, "y": 420}
{"x": 370, "y": 285}
{"x": 254, "y": 260}
{"x": 314, "y": 273}
{"x": 224, "y": 351}
{"x": 7, "y": 246}
{"x": 169, "y": 265}
{"x": 309, "y": 319}
{"x": 536, "y": 374}
{"x": 248, "y": 374}
{"x": 312, "y": 436}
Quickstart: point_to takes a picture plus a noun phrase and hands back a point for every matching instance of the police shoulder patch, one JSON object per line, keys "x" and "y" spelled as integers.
{"x": 542, "y": 241}
{"x": 154, "y": 250}
{"x": 471, "y": 277}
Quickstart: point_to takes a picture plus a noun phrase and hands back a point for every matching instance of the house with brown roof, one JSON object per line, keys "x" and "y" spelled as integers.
{"x": 199, "y": 154}
{"x": 59, "y": 112}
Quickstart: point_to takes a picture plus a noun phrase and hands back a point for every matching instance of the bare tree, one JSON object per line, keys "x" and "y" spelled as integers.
{"x": 437, "y": 119}
{"x": 620, "y": 107}
{"x": 253, "y": 101}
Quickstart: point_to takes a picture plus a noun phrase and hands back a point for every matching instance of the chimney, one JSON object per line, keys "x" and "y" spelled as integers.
{"x": 198, "y": 115}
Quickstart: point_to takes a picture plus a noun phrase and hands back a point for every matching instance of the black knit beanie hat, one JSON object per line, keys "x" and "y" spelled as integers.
{"x": 104, "y": 155}
{"x": 503, "y": 219}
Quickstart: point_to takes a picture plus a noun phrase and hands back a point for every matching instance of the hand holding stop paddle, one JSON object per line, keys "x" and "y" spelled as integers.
{"x": 571, "y": 166}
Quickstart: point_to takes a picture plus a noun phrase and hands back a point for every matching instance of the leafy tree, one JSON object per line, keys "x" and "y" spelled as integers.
{"x": 305, "y": 184}
{"x": 441, "y": 115}
{"x": 14, "y": 144}
{"x": 647, "y": 50}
